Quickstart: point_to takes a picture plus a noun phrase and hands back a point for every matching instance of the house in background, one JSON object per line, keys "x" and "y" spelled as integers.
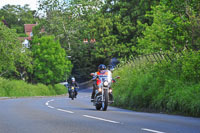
{"x": 28, "y": 31}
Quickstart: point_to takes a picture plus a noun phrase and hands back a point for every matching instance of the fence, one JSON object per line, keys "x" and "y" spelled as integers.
{"x": 152, "y": 58}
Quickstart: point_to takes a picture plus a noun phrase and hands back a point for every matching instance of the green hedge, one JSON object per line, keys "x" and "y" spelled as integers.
{"x": 171, "y": 87}
{"x": 22, "y": 35}
{"x": 18, "y": 88}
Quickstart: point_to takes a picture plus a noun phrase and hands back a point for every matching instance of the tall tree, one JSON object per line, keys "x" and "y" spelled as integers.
{"x": 125, "y": 15}
{"x": 50, "y": 64}
{"x": 188, "y": 9}
{"x": 11, "y": 56}
{"x": 16, "y": 16}
{"x": 167, "y": 31}
{"x": 68, "y": 22}
{"x": 175, "y": 27}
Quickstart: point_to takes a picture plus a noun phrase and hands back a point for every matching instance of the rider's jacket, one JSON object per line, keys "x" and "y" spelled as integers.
{"x": 75, "y": 84}
{"x": 105, "y": 73}
{"x": 102, "y": 72}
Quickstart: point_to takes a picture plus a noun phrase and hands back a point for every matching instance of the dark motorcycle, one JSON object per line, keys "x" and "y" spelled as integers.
{"x": 72, "y": 94}
{"x": 103, "y": 94}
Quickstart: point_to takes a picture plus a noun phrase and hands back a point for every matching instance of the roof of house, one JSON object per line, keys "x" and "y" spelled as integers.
{"x": 28, "y": 27}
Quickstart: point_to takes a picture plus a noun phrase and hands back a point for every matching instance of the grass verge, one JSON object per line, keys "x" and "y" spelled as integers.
{"x": 19, "y": 88}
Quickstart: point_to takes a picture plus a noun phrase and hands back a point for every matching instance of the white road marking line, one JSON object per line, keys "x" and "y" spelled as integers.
{"x": 101, "y": 119}
{"x": 153, "y": 131}
{"x": 65, "y": 111}
{"x": 47, "y": 103}
{"x": 51, "y": 100}
{"x": 51, "y": 107}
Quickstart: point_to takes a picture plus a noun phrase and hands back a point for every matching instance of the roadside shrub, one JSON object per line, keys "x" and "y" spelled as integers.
{"x": 2, "y": 91}
{"x": 171, "y": 87}
{"x": 191, "y": 66}
{"x": 60, "y": 89}
{"x": 22, "y": 35}
{"x": 18, "y": 88}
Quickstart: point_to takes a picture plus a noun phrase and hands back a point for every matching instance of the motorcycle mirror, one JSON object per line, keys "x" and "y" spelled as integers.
{"x": 118, "y": 77}
{"x": 110, "y": 67}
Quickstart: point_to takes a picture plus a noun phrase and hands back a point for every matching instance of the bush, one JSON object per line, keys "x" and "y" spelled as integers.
{"x": 18, "y": 88}
{"x": 22, "y": 35}
{"x": 191, "y": 67}
{"x": 60, "y": 89}
{"x": 171, "y": 87}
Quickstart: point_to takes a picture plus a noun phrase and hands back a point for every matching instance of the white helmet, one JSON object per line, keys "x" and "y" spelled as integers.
{"x": 73, "y": 79}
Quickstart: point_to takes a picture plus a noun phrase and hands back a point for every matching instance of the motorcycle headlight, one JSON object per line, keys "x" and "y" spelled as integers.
{"x": 100, "y": 89}
{"x": 105, "y": 83}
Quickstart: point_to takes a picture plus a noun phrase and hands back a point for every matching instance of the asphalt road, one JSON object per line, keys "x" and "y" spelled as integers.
{"x": 63, "y": 115}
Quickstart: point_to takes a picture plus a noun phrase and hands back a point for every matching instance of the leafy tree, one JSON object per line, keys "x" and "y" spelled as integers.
{"x": 167, "y": 31}
{"x": 106, "y": 45}
{"x": 68, "y": 22}
{"x": 12, "y": 60}
{"x": 23, "y": 63}
{"x": 16, "y": 16}
{"x": 181, "y": 6}
{"x": 112, "y": 24}
{"x": 9, "y": 49}
{"x": 125, "y": 29}
{"x": 188, "y": 9}
{"x": 50, "y": 64}
{"x": 194, "y": 28}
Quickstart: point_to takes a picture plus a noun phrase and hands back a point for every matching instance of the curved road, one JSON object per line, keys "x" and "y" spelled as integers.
{"x": 62, "y": 115}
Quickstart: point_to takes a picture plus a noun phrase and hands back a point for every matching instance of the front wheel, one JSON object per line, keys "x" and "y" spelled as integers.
{"x": 98, "y": 107}
{"x": 72, "y": 95}
{"x": 105, "y": 102}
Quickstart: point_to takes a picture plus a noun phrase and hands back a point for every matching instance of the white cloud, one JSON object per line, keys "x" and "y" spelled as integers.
{"x": 32, "y": 3}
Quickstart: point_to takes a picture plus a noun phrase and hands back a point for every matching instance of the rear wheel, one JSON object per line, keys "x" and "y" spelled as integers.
{"x": 105, "y": 102}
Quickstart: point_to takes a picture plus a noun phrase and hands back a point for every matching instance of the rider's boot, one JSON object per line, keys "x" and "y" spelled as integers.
{"x": 69, "y": 94}
{"x": 76, "y": 93}
{"x": 92, "y": 97}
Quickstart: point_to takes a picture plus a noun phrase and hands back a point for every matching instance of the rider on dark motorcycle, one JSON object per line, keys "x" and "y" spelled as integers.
{"x": 101, "y": 71}
{"x": 75, "y": 84}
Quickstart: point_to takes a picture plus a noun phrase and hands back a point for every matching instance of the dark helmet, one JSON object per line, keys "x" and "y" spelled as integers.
{"x": 101, "y": 67}
{"x": 110, "y": 67}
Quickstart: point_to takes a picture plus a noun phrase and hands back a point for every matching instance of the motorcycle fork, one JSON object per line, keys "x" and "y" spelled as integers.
{"x": 102, "y": 98}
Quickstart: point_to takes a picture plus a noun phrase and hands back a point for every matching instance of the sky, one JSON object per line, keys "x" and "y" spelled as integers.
{"x": 32, "y": 3}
